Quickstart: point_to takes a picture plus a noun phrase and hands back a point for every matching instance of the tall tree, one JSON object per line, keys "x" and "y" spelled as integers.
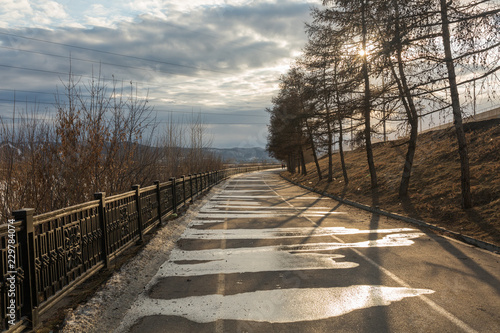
{"x": 459, "y": 23}
{"x": 455, "y": 105}
{"x": 355, "y": 19}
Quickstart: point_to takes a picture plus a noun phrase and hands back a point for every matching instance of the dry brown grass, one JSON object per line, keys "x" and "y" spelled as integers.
{"x": 434, "y": 194}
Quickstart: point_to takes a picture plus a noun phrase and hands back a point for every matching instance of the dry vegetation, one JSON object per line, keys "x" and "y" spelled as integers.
{"x": 434, "y": 194}
{"x": 96, "y": 139}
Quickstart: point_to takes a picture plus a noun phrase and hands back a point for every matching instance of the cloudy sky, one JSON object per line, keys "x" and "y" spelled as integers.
{"x": 220, "y": 58}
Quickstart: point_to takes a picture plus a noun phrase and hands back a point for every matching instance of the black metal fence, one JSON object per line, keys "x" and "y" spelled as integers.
{"x": 44, "y": 257}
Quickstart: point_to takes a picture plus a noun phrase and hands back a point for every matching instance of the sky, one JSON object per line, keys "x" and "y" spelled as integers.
{"x": 218, "y": 58}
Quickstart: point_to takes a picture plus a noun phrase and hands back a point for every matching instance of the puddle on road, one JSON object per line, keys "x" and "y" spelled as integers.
{"x": 245, "y": 185}
{"x": 249, "y": 191}
{"x": 388, "y": 241}
{"x": 277, "y": 257}
{"x": 280, "y": 232}
{"x": 202, "y": 222}
{"x": 235, "y": 203}
{"x": 255, "y": 205}
{"x": 274, "y": 306}
{"x": 262, "y": 214}
{"x": 229, "y": 196}
{"x": 247, "y": 260}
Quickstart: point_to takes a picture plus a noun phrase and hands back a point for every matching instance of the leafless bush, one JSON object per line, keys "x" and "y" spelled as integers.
{"x": 101, "y": 139}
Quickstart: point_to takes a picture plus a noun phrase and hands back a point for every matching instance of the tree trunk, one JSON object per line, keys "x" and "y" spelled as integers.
{"x": 330, "y": 153}
{"x": 341, "y": 144}
{"x": 367, "y": 106}
{"x": 412, "y": 146}
{"x": 328, "y": 129}
{"x": 341, "y": 152}
{"x": 409, "y": 106}
{"x": 457, "y": 114}
{"x": 291, "y": 164}
{"x": 313, "y": 148}
{"x": 299, "y": 164}
{"x": 303, "y": 161}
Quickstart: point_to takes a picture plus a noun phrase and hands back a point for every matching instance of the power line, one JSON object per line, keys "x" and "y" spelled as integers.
{"x": 96, "y": 62}
{"x": 154, "y": 109}
{"x": 112, "y": 53}
{"x": 92, "y": 77}
{"x": 158, "y": 121}
{"x": 81, "y": 75}
{"x": 77, "y": 75}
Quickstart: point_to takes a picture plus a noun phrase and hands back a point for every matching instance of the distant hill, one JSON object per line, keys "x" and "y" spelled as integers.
{"x": 236, "y": 155}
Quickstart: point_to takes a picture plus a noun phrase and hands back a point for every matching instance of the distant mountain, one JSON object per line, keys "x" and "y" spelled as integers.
{"x": 236, "y": 155}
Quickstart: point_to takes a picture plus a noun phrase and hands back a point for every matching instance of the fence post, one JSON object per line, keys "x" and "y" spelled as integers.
{"x": 196, "y": 183}
{"x": 183, "y": 189}
{"x": 137, "y": 189}
{"x": 158, "y": 199}
{"x": 103, "y": 223}
{"x": 174, "y": 196}
{"x": 29, "y": 284}
{"x": 191, "y": 187}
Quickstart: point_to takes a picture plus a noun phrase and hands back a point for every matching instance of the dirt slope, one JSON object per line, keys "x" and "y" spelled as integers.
{"x": 435, "y": 184}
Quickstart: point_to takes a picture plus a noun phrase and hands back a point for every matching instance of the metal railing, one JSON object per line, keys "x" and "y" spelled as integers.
{"x": 44, "y": 257}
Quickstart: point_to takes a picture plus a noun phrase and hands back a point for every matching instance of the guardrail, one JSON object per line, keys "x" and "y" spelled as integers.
{"x": 46, "y": 256}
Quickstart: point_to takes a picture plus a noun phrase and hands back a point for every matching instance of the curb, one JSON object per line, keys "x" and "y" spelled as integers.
{"x": 466, "y": 239}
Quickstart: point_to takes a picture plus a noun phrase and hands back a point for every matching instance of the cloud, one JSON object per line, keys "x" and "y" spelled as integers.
{"x": 156, "y": 8}
{"x": 212, "y": 57}
{"x": 38, "y": 13}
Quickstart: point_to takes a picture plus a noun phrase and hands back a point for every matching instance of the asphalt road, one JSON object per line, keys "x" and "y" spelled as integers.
{"x": 267, "y": 256}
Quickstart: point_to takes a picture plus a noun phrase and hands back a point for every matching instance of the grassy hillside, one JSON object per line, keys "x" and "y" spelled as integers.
{"x": 435, "y": 184}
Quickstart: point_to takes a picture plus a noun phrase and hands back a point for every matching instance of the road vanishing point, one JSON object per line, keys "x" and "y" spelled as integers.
{"x": 263, "y": 255}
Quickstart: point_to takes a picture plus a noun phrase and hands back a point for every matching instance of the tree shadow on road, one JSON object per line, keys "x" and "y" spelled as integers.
{"x": 479, "y": 221}
{"x": 374, "y": 254}
{"x": 474, "y": 268}
{"x": 409, "y": 208}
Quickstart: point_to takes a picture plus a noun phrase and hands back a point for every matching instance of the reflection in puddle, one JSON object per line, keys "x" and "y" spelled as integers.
{"x": 262, "y": 214}
{"x": 244, "y": 260}
{"x": 274, "y": 306}
{"x": 277, "y": 258}
{"x": 280, "y": 232}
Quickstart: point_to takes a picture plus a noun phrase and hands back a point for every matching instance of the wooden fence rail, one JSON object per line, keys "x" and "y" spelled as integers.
{"x": 44, "y": 257}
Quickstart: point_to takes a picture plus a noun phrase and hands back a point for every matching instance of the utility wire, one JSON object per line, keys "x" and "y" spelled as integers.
{"x": 112, "y": 53}
{"x": 96, "y": 62}
{"x": 158, "y": 121}
{"x": 80, "y": 75}
{"x": 154, "y": 109}
{"x": 75, "y": 75}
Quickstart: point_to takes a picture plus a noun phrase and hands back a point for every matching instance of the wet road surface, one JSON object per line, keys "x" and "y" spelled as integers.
{"x": 267, "y": 256}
